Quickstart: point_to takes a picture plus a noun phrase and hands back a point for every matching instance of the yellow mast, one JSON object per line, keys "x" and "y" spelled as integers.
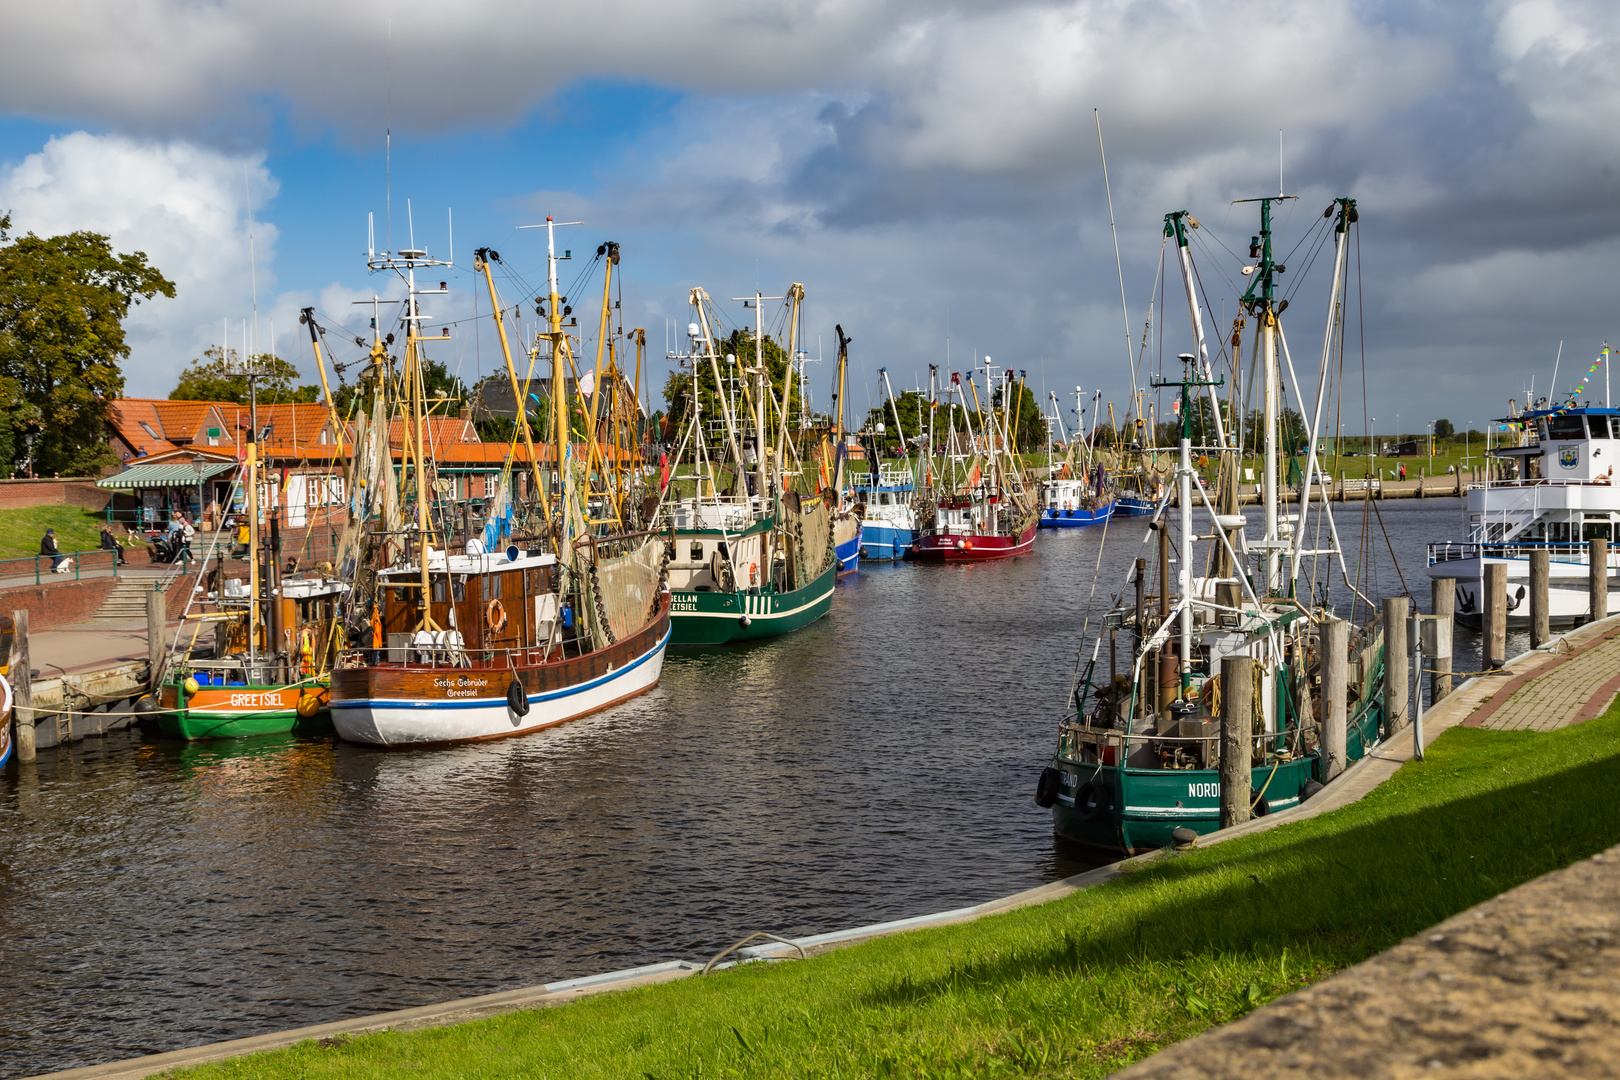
{"x": 418, "y": 409}
{"x": 518, "y": 396}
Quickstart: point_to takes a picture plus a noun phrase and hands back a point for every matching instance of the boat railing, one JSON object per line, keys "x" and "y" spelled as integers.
{"x": 1113, "y": 746}
{"x": 1559, "y": 550}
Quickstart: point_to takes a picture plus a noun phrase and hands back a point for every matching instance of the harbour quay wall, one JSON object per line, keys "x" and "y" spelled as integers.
{"x": 58, "y": 603}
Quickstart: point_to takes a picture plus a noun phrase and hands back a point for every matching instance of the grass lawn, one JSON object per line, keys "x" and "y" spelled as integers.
{"x": 1080, "y": 986}
{"x": 76, "y": 529}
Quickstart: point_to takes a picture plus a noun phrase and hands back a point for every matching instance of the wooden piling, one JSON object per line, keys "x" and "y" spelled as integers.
{"x": 1540, "y": 571}
{"x": 1335, "y": 696}
{"x": 1443, "y": 602}
{"x": 1597, "y": 581}
{"x": 154, "y": 639}
{"x": 1237, "y": 738}
{"x": 22, "y": 687}
{"x": 1495, "y": 601}
{"x": 1397, "y": 665}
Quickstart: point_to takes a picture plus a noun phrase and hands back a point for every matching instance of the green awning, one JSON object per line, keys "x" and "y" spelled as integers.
{"x": 166, "y": 475}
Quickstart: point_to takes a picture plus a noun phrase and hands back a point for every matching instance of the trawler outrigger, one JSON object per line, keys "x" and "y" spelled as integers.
{"x": 1138, "y": 754}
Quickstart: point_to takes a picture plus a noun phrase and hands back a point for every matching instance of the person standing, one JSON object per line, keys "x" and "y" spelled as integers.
{"x": 186, "y": 533}
{"x": 47, "y": 547}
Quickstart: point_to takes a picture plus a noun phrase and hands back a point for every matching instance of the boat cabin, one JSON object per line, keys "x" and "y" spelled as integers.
{"x": 1562, "y": 489}
{"x": 483, "y": 603}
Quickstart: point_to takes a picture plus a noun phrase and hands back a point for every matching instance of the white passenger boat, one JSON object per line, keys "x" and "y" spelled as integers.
{"x": 1560, "y": 496}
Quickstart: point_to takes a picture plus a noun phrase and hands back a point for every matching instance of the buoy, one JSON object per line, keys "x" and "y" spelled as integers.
{"x": 308, "y": 705}
{"x": 516, "y": 699}
{"x": 495, "y": 616}
{"x": 745, "y": 621}
{"x": 190, "y": 686}
{"x": 967, "y": 545}
{"x": 961, "y": 545}
{"x": 147, "y": 704}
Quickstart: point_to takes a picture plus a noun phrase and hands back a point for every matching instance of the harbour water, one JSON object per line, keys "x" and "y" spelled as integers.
{"x": 879, "y": 764}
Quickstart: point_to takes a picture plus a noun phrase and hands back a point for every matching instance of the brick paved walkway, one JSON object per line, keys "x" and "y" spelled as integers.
{"x": 1567, "y": 689}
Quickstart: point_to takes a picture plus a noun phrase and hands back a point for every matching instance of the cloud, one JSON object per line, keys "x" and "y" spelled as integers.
{"x": 184, "y": 206}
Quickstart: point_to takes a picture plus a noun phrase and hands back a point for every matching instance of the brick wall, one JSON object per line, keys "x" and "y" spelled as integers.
{"x": 60, "y": 603}
{"x": 53, "y": 492}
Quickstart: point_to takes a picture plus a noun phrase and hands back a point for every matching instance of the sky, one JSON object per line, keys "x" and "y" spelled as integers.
{"x": 929, "y": 171}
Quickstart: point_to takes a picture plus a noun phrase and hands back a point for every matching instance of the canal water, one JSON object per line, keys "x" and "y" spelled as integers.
{"x": 879, "y": 764}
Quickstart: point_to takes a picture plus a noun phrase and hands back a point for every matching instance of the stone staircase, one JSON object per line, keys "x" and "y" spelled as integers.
{"x": 128, "y": 598}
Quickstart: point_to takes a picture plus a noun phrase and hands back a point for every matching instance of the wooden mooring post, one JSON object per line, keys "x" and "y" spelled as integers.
{"x": 1597, "y": 577}
{"x": 22, "y": 687}
{"x": 1442, "y": 603}
{"x": 154, "y": 640}
{"x": 1237, "y": 737}
{"x": 1335, "y": 696}
{"x": 1397, "y": 684}
{"x": 1495, "y": 602}
{"x": 1540, "y": 572}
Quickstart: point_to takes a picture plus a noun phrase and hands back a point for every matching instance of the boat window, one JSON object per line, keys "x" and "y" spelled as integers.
{"x": 883, "y": 500}
{"x": 461, "y": 587}
{"x": 438, "y": 590}
{"x": 1595, "y": 528}
{"x": 1566, "y": 427}
{"x": 696, "y": 554}
{"x": 1614, "y": 427}
{"x": 495, "y": 586}
{"x": 1558, "y": 532}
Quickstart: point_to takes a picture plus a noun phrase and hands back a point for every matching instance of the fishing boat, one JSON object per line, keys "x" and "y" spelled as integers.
{"x": 482, "y": 643}
{"x": 749, "y": 558}
{"x": 990, "y": 514}
{"x": 1137, "y": 763}
{"x": 888, "y": 520}
{"x": 8, "y": 631}
{"x": 1069, "y": 503}
{"x": 265, "y": 667}
{"x": 1552, "y": 492}
{"x": 847, "y": 547}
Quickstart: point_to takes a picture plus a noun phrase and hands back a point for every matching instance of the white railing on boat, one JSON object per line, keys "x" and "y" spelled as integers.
{"x": 1564, "y": 551}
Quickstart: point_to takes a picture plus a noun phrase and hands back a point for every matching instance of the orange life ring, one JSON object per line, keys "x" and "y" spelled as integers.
{"x": 495, "y": 616}
{"x": 753, "y": 573}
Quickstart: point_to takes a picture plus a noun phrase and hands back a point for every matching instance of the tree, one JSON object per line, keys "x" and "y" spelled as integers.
{"x": 1025, "y": 421}
{"x": 678, "y": 386}
{"x": 63, "y": 301}
{"x": 211, "y": 379}
{"x": 1443, "y": 429}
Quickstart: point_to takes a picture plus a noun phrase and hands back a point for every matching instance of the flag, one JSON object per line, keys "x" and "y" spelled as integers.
{"x": 587, "y": 385}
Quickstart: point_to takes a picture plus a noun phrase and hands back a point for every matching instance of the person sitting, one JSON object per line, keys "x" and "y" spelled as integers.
{"x": 47, "y": 547}
{"x": 109, "y": 542}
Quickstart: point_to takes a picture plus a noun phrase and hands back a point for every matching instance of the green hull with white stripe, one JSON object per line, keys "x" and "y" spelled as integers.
{"x": 718, "y": 618}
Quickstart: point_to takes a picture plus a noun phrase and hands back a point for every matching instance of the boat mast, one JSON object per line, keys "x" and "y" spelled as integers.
{"x": 481, "y": 260}
{"x": 1260, "y": 301}
{"x": 1175, "y": 225}
{"x": 838, "y": 408}
{"x": 559, "y": 390}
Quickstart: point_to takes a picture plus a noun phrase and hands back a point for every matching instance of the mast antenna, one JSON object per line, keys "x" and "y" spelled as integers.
{"x": 253, "y": 267}
{"x": 1119, "y": 268}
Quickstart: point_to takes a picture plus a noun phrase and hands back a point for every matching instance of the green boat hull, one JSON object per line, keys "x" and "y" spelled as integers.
{"x": 233, "y": 712}
{"x": 721, "y": 618}
{"x": 1131, "y": 810}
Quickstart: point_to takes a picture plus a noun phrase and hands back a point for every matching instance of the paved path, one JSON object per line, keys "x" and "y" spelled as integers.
{"x": 1523, "y": 985}
{"x": 1566, "y": 687}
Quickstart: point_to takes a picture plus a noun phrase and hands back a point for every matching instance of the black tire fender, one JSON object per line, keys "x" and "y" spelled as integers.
{"x": 1260, "y": 808}
{"x": 1046, "y": 788}
{"x": 1091, "y": 801}
{"x": 517, "y": 699}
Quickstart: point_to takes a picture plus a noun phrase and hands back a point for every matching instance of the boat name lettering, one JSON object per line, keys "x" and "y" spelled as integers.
{"x": 684, "y": 605}
{"x": 249, "y": 701}
{"x": 454, "y": 684}
{"x": 1203, "y": 791}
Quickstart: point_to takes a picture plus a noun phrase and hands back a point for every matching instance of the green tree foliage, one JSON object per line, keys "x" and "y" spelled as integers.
{"x": 678, "y": 387}
{"x": 1025, "y": 421}
{"x": 63, "y": 301}
{"x": 1443, "y": 429}
{"x": 210, "y": 379}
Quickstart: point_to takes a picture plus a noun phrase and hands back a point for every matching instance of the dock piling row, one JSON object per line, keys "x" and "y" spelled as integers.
{"x": 1335, "y": 696}
{"x": 1397, "y": 685}
{"x": 1495, "y": 615}
{"x": 1237, "y": 731}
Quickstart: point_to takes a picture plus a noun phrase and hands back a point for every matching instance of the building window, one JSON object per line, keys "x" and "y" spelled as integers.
{"x": 147, "y": 428}
{"x": 491, "y": 483}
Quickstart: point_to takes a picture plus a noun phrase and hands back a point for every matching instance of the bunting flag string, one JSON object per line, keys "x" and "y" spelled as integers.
{"x": 1581, "y": 388}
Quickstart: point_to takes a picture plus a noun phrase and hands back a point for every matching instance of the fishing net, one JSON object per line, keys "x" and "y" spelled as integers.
{"x": 813, "y": 531}
{"x": 626, "y": 587}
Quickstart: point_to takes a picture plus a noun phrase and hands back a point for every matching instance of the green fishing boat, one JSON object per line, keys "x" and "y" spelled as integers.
{"x": 1139, "y": 753}
{"x": 747, "y": 556}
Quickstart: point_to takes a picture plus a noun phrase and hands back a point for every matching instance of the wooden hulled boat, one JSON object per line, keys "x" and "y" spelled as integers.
{"x": 512, "y": 659}
{"x": 976, "y": 527}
